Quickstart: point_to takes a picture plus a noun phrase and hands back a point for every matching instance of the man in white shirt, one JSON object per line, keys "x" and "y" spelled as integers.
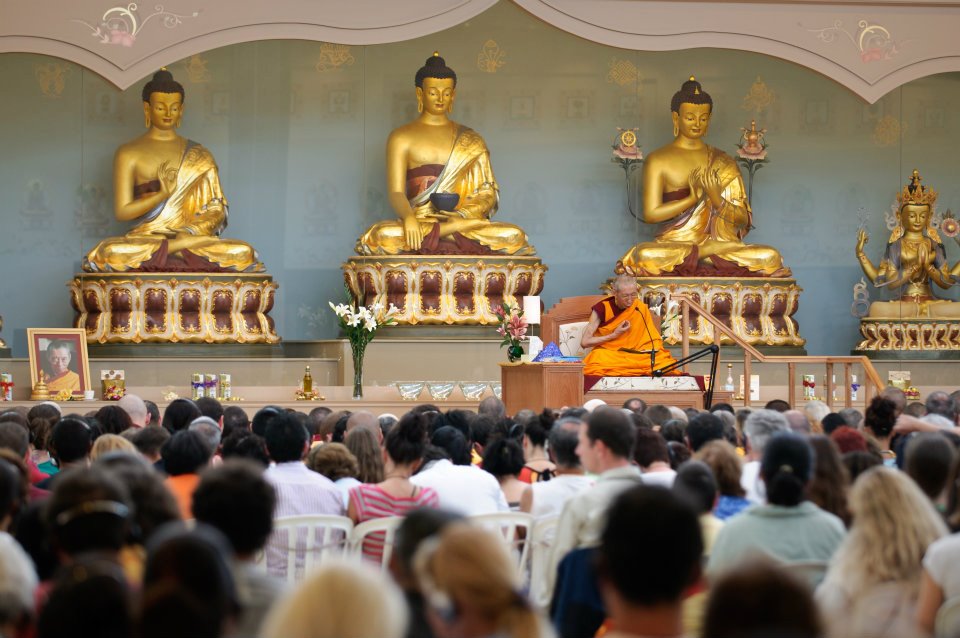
{"x": 460, "y": 486}
{"x": 605, "y": 449}
{"x": 300, "y": 491}
{"x": 653, "y": 456}
{"x": 760, "y": 426}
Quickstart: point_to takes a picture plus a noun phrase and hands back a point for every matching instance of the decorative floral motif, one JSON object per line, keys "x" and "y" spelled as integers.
{"x": 625, "y": 147}
{"x": 513, "y": 328}
{"x": 888, "y": 130}
{"x": 949, "y": 226}
{"x": 874, "y": 41}
{"x": 121, "y": 25}
{"x": 759, "y": 98}
{"x": 334, "y": 56}
{"x": 491, "y": 57}
{"x": 51, "y": 78}
{"x": 622, "y": 72}
{"x": 751, "y": 145}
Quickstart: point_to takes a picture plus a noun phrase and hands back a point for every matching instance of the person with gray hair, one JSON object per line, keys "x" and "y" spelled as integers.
{"x": 493, "y": 408}
{"x": 853, "y": 417}
{"x": 136, "y": 409}
{"x": 209, "y": 430}
{"x": 18, "y": 580}
{"x": 942, "y": 404}
{"x": 759, "y": 427}
{"x": 797, "y": 421}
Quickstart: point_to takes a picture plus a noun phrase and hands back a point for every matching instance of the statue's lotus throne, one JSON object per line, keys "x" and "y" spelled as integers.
{"x": 564, "y": 324}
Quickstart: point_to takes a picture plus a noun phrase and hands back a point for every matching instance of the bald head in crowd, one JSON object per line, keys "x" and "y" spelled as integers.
{"x": 136, "y": 409}
{"x": 366, "y": 420}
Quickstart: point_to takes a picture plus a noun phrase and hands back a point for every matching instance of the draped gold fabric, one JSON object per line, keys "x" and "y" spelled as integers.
{"x": 468, "y": 174}
{"x": 196, "y": 208}
{"x": 711, "y": 231}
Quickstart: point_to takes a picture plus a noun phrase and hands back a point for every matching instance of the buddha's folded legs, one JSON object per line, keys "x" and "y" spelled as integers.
{"x": 387, "y": 237}
{"x": 655, "y": 258}
{"x": 754, "y": 257}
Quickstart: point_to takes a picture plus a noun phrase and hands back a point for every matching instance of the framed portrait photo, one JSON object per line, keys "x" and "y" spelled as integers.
{"x": 59, "y": 356}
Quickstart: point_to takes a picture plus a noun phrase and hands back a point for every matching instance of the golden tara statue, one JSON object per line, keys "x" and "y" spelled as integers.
{"x": 696, "y": 191}
{"x": 440, "y": 183}
{"x": 914, "y": 257}
{"x": 169, "y": 185}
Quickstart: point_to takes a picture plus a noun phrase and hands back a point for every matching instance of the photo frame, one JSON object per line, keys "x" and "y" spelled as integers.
{"x": 69, "y": 356}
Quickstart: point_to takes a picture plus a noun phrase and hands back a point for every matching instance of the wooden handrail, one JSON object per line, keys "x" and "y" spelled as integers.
{"x": 872, "y": 383}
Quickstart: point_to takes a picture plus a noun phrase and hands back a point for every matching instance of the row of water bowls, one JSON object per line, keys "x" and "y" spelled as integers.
{"x": 441, "y": 390}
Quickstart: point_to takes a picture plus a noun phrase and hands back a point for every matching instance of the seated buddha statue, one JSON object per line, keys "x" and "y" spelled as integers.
{"x": 440, "y": 183}
{"x": 914, "y": 257}
{"x": 170, "y": 187}
{"x": 696, "y": 193}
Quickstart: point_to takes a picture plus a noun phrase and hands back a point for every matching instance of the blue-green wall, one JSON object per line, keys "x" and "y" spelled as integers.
{"x": 301, "y": 158}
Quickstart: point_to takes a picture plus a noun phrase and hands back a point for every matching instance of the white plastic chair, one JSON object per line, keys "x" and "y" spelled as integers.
{"x": 947, "y": 623}
{"x": 386, "y": 526}
{"x": 544, "y": 531}
{"x": 305, "y": 540}
{"x": 516, "y": 529}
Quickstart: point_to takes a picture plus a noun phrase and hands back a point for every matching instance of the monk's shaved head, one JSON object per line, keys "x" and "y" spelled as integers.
{"x": 624, "y": 282}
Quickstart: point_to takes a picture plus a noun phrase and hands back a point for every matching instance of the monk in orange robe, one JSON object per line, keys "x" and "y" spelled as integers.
{"x": 617, "y": 325}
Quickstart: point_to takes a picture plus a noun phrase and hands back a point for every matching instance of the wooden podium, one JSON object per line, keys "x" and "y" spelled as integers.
{"x": 535, "y": 386}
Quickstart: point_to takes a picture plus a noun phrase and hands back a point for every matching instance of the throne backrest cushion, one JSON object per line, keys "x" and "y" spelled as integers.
{"x": 569, "y": 339}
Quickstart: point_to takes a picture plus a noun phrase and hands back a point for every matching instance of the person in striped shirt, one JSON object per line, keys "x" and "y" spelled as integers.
{"x": 395, "y": 495}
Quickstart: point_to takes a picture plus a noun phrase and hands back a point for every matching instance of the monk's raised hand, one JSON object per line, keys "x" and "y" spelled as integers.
{"x": 622, "y": 328}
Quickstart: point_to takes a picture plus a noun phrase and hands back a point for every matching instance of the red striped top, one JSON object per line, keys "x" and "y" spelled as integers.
{"x": 372, "y": 501}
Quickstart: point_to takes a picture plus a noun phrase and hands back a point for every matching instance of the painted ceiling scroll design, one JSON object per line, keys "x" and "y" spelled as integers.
{"x": 121, "y": 25}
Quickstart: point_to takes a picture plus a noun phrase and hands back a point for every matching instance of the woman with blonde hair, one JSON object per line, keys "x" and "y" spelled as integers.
{"x": 873, "y": 580}
{"x": 340, "y": 600}
{"x": 106, "y": 443}
{"x": 471, "y": 589}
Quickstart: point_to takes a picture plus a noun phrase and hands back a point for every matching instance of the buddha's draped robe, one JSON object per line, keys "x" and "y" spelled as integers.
{"x": 678, "y": 244}
{"x": 466, "y": 173}
{"x": 607, "y": 359}
{"x": 195, "y": 207}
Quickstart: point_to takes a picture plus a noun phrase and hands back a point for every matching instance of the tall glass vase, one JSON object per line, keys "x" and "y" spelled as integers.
{"x": 357, "y": 350}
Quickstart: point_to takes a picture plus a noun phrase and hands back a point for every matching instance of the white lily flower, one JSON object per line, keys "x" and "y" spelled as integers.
{"x": 392, "y": 310}
{"x": 370, "y": 324}
{"x": 354, "y": 320}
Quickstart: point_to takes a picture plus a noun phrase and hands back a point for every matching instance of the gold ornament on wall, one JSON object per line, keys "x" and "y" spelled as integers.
{"x": 888, "y": 130}
{"x": 491, "y": 57}
{"x": 622, "y": 72}
{"x": 759, "y": 98}
{"x": 51, "y": 78}
{"x": 334, "y": 56}
{"x": 196, "y": 67}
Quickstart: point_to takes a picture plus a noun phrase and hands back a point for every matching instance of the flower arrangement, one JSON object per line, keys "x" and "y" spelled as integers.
{"x": 513, "y": 328}
{"x": 360, "y": 324}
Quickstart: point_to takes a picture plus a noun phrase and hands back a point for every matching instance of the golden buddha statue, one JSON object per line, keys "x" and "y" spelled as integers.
{"x": 696, "y": 191}
{"x": 914, "y": 257}
{"x": 440, "y": 183}
{"x": 170, "y": 186}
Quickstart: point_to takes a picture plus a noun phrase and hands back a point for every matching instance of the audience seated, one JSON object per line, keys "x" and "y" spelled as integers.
{"x": 853, "y": 417}
{"x": 858, "y": 462}
{"x": 152, "y": 504}
{"x": 649, "y": 606}
{"x": 188, "y": 588}
{"x": 831, "y": 480}
{"x": 70, "y": 443}
{"x": 652, "y": 456}
{"x": 929, "y": 459}
{"x": 605, "y": 449}
{"x": 113, "y": 419}
{"x": 879, "y": 421}
{"x": 148, "y": 441}
{"x": 107, "y": 443}
{"x": 338, "y": 464}
{"x": 941, "y": 580}
{"x": 363, "y": 445}
{"x": 504, "y": 460}
{"x": 89, "y": 597}
{"x": 727, "y": 467}
{"x": 695, "y": 484}
{"x": 136, "y": 409}
{"x": 236, "y": 499}
{"x": 184, "y": 455}
{"x": 18, "y": 580}
{"x": 760, "y": 599}
{"x": 460, "y": 486}
{"x": 179, "y": 415}
{"x": 299, "y": 490}
{"x": 789, "y": 527}
{"x": 871, "y": 586}
{"x": 235, "y": 418}
{"x": 757, "y": 430}
{"x": 470, "y": 586}
{"x": 702, "y": 429}
{"x": 396, "y": 494}
{"x": 245, "y": 444}
{"x": 340, "y": 600}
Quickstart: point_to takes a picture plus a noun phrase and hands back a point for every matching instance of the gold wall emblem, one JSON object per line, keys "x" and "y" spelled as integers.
{"x": 51, "y": 78}
{"x": 759, "y": 98}
{"x": 197, "y": 71}
{"x": 334, "y": 56}
{"x": 491, "y": 57}
{"x": 622, "y": 72}
{"x": 888, "y": 130}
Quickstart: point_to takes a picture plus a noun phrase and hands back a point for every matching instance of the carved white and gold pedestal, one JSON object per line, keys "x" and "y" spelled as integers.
{"x": 174, "y": 307}
{"x": 920, "y": 338}
{"x": 759, "y": 310}
{"x": 444, "y": 289}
